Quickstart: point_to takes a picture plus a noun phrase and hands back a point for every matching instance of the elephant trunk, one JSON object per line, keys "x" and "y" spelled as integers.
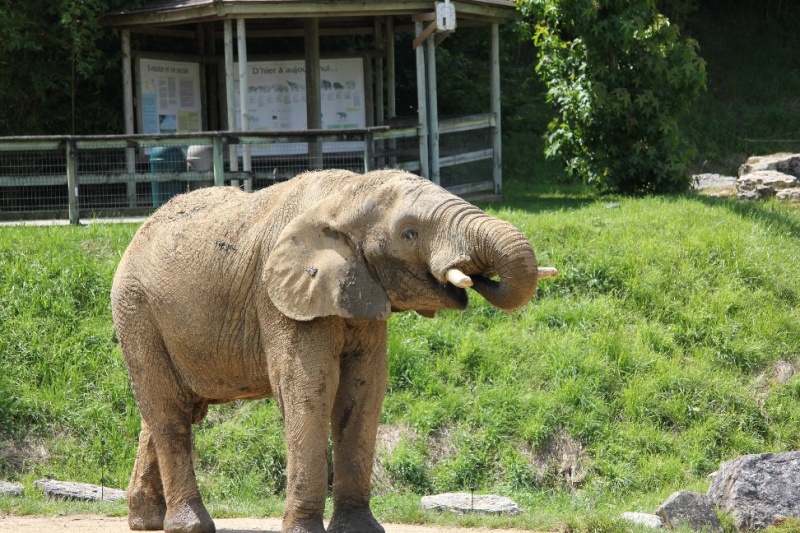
{"x": 505, "y": 252}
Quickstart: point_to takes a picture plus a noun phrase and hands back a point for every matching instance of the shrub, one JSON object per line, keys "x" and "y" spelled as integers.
{"x": 620, "y": 77}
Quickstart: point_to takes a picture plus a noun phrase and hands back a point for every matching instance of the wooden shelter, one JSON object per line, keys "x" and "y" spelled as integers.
{"x": 238, "y": 22}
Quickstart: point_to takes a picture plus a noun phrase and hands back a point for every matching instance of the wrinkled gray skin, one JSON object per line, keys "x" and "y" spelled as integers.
{"x": 224, "y": 295}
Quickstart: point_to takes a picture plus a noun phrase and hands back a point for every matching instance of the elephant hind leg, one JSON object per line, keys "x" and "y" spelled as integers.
{"x": 171, "y": 433}
{"x": 164, "y": 469}
{"x": 146, "y": 503}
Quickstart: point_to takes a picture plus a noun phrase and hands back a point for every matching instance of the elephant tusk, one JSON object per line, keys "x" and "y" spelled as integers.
{"x": 458, "y": 278}
{"x": 546, "y": 272}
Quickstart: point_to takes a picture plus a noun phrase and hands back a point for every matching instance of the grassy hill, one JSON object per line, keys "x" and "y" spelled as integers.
{"x": 667, "y": 344}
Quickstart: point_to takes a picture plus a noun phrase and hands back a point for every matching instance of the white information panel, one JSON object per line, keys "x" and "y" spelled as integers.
{"x": 277, "y": 100}
{"x": 169, "y": 96}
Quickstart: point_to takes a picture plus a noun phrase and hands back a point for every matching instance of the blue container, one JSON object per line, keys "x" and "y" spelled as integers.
{"x": 166, "y": 159}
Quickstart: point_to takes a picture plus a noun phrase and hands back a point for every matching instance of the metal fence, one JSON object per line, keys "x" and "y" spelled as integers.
{"x": 93, "y": 176}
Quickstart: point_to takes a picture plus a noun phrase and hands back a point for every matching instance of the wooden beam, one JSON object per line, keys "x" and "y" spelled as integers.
{"x": 424, "y": 34}
{"x": 423, "y": 17}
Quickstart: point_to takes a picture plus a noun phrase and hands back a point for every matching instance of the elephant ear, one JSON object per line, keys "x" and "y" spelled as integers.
{"x": 315, "y": 270}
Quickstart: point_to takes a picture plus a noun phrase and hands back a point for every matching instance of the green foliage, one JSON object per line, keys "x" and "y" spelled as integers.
{"x": 61, "y": 376}
{"x": 59, "y": 72}
{"x": 620, "y": 77}
{"x": 408, "y": 467}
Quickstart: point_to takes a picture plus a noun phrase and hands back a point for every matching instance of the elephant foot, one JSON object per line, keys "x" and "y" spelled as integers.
{"x": 189, "y": 517}
{"x": 309, "y": 525}
{"x": 353, "y": 519}
{"x": 146, "y": 514}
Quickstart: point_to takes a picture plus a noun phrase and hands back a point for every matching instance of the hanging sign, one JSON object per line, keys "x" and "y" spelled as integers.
{"x": 277, "y": 99}
{"x": 169, "y": 96}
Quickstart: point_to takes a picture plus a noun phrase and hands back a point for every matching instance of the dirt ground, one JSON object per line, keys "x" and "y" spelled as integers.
{"x": 104, "y": 524}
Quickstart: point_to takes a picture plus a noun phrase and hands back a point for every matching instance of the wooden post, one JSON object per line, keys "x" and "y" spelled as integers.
{"x": 127, "y": 98}
{"x": 369, "y": 93}
{"x": 244, "y": 97}
{"x": 391, "y": 99}
{"x": 72, "y": 182}
{"x": 212, "y": 80}
{"x": 380, "y": 111}
{"x": 313, "y": 97}
{"x": 230, "y": 97}
{"x": 391, "y": 106}
{"x": 433, "y": 111}
{"x": 497, "y": 141}
{"x": 422, "y": 106}
{"x": 200, "y": 47}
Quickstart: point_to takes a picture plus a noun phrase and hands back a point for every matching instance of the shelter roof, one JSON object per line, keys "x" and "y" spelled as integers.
{"x": 178, "y": 12}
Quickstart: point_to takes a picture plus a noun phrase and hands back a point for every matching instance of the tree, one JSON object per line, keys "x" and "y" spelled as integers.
{"x": 620, "y": 77}
{"x": 59, "y": 71}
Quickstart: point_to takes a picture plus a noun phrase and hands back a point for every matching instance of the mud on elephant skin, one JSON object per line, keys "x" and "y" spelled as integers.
{"x": 225, "y": 295}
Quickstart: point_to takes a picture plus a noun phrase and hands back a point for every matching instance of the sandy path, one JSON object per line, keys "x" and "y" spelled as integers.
{"x": 104, "y": 524}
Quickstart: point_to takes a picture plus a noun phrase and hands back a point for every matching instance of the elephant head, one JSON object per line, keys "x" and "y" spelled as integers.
{"x": 392, "y": 241}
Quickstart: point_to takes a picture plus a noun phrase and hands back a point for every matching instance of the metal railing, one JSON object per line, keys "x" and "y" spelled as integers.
{"x": 94, "y": 176}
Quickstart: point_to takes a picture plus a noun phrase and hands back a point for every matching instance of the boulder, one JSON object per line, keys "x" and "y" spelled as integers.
{"x": 643, "y": 519}
{"x": 770, "y": 179}
{"x": 786, "y": 163}
{"x": 10, "y": 489}
{"x": 702, "y": 182}
{"x": 463, "y": 503}
{"x": 692, "y": 509}
{"x": 758, "y": 490}
{"x": 759, "y": 193}
{"x": 791, "y": 195}
{"x": 70, "y": 490}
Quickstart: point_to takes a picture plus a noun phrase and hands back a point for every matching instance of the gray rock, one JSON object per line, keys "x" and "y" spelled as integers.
{"x": 758, "y": 490}
{"x": 770, "y": 179}
{"x": 643, "y": 519}
{"x": 756, "y": 194}
{"x": 10, "y": 489}
{"x": 789, "y": 195}
{"x": 70, "y": 490}
{"x": 701, "y": 182}
{"x": 786, "y": 163}
{"x": 463, "y": 502}
{"x": 692, "y": 509}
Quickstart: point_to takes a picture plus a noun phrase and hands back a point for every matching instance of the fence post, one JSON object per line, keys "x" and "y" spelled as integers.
{"x": 369, "y": 151}
{"x": 219, "y": 167}
{"x": 72, "y": 181}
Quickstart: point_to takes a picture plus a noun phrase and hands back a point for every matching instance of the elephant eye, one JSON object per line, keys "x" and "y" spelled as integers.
{"x": 410, "y": 234}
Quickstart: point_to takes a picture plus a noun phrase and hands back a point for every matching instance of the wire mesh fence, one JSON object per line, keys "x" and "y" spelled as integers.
{"x": 466, "y": 156}
{"x": 73, "y": 177}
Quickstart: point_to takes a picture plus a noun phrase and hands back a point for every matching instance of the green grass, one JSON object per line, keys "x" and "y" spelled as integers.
{"x": 648, "y": 361}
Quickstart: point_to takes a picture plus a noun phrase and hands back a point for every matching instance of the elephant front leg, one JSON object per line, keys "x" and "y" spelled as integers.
{"x": 356, "y": 414}
{"x": 304, "y": 379}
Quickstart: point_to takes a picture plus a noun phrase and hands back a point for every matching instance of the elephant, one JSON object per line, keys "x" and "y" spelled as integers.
{"x": 224, "y": 295}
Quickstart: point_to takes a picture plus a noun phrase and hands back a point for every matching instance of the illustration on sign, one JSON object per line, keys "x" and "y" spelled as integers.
{"x": 277, "y": 99}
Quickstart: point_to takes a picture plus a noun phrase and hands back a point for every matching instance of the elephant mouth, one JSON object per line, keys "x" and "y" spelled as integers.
{"x": 456, "y": 296}
{"x": 439, "y": 295}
